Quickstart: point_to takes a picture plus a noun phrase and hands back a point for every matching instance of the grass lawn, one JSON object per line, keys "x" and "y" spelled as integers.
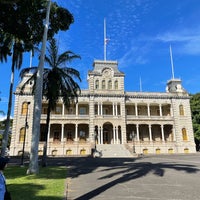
{"x": 48, "y": 184}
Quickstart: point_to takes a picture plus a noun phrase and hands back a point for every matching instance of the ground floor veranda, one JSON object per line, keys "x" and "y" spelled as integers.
{"x": 107, "y": 133}
{"x": 78, "y": 139}
{"x": 74, "y": 139}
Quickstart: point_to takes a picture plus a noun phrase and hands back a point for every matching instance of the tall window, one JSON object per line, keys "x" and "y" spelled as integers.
{"x": 82, "y": 111}
{"x": 42, "y": 136}
{"x": 97, "y": 84}
{"x": 181, "y": 110}
{"x": 103, "y": 84}
{"x": 184, "y": 134}
{"x": 109, "y": 84}
{"x": 21, "y": 134}
{"x": 116, "y": 85}
{"x": 44, "y": 108}
{"x": 56, "y": 136}
{"x": 58, "y": 110}
{"x": 24, "y": 110}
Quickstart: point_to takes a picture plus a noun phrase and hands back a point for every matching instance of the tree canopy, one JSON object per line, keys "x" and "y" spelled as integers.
{"x": 21, "y": 29}
{"x": 195, "y": 109}
{"x": 24, "y": 20}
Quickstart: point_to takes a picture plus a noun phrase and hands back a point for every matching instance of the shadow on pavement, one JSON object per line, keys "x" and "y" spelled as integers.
{"x": 121, "y": 170}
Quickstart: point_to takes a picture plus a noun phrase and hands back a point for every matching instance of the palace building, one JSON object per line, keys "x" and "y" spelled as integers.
{"x": 106, "y": 117}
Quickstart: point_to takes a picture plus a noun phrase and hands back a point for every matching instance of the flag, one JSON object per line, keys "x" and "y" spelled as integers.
{"x": 106, "y": 41}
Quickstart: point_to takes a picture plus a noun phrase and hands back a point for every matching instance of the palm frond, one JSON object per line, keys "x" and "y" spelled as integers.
{"x": 5, "y": 46}
{"x": 17, "y": 57}
{"x": 67, "y": 56}
{"x": 27, "y": 70}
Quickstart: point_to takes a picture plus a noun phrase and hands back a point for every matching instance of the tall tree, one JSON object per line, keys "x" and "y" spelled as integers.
{"x": 21, "y": 28}
{"x": 33, "y": 165}
{"x": 58, "y": 82}
{"x": 195, "y": 109}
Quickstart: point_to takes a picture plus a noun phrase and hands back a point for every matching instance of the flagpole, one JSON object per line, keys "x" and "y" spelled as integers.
{"x": 140, "y": 85}
{"x": 31, "y": 57}
{"x": 104, "y": 39}
{"x": 172, "y": 64}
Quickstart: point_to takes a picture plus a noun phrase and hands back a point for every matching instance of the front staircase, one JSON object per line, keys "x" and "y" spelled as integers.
{"x": 113, "y": 151}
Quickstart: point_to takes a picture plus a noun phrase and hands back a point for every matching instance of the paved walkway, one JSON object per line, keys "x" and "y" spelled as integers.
{"x": 170, "y": 177}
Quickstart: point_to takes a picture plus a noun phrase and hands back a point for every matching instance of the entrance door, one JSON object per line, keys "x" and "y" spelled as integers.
{"x": 105, "y": 137}
{"x": 107, "y": 133}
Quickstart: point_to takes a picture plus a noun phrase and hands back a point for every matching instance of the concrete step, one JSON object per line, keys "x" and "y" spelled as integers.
{"x": 113, "y": 150}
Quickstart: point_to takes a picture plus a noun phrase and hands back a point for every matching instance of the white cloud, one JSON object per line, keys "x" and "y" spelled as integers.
{"x": 187, "y": 40}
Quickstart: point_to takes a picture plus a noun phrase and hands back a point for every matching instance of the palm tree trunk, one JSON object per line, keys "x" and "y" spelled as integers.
{"x": 44, "y": 160}
{"x": 6, "y": 132}
{"x": 33, "y": 165}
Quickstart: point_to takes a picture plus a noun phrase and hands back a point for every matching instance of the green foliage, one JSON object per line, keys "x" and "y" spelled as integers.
{"x": 2, "y": 127}
{"x": 24, "y": 21}
{"x": 48, "y": 184}
{"x": 3, "y": 124}
{"x": 58, "y": 82}
{"x": 195, "y": 109}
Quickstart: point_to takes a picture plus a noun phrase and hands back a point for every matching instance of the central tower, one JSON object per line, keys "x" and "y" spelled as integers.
{"x": 106, "y": 78}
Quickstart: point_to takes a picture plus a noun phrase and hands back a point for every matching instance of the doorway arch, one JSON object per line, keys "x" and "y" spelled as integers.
{"x": 107, "y": 133}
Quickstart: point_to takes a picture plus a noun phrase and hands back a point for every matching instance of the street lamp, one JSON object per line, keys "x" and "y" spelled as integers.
{"x": 25, "y": 127}
{"x": 95, "y": 139}
{"x": 132, "y": 137}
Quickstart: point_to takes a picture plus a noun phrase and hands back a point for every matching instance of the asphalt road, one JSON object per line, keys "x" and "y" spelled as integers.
{"x": 158, "y": 177}
{"x": 155, "y": 177}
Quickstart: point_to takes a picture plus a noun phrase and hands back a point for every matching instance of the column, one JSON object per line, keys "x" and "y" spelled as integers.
{"x": 148, "y": 110}
{"x": 101, "y": 113}
{"x": 114, "y": 131}
{"x": 150, "y": 134}
{"x": 76, "y": 109}
{"x": 76, "y": 132}
{"x": 116, "y": 109}
{"x": 63, "y": 109}
{"x": 137, "y": 132}
{"x": 117, "y": 134}
{"x": 136, "y": 110}
{"x": 113, "y": 108}
{"x": 101, "y": 131}
{"x": 162, "y": 132}
{"x": 160, "y": 109}
{"x": 62, "y": 132}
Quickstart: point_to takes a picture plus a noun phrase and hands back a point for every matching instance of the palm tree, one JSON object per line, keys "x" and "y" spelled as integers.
{"x": 21, "y": 28}
{"x": 58, "y": 82}
{"x": 17, "y": 56}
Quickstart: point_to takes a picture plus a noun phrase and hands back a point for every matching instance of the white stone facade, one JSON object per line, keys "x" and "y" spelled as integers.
{"x": 152, "y": 123}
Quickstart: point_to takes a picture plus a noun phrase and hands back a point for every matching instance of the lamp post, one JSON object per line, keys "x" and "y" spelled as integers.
{"x": 25, "y": 127}
{"x": 95, "y": 139}
{"x": 132, "y": 136}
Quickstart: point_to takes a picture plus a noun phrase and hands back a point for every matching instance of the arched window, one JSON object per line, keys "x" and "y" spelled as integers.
{"x": 181, "y": 110}
{"x": 184, "y": 134}
{"x": 116, "y": 85}
{"x": 109, "y": 84}
{"x": 103, "y": 84}
{"x": 24, "y": 108}
{"x": 21, "y": 134}
{"x": 97, "y": 84}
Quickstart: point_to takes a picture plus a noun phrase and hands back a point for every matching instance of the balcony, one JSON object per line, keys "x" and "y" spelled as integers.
{"x": 145, "y": 117}
{"x": 64, "y": 117}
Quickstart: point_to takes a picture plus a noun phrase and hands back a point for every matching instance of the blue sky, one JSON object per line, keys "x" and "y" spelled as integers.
{"x": 140, "y": 33}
